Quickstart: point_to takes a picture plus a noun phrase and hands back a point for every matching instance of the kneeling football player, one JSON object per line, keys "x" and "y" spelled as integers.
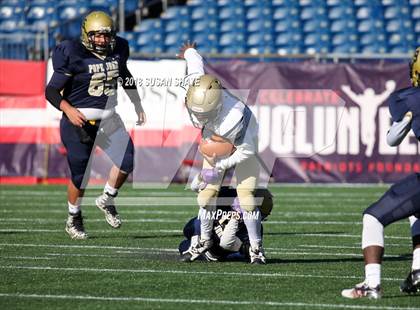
{"x": 230, "y": 237}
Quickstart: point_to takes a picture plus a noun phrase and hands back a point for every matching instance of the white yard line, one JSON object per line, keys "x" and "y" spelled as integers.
{"x": 201, "y": 301}
{"x": 143, "y": 231}
{"x": 167, "y": 220}
{"x": 201, "y": 273}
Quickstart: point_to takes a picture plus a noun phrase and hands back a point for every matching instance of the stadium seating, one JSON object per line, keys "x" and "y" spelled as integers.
{"x": 236, "y": 26}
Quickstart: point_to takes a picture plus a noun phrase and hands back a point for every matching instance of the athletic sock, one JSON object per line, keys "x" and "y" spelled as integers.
{"x": 73, "y": 209}
{"x": 110, "y": 190}
{"x": 416, "y": 259}
{"x": 373, "y": 275}
{"x": 252, "y": 222}
{"x": 206, "y": 222}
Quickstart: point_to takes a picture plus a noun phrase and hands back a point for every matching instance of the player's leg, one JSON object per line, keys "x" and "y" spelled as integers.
{"x": 399, "y": 202}
{"x": 120, "y": 149}
{"x": 247, "y": 174}
{"x": 206, "y": 200}
{"x": 78, "y": 158}
{"x": 412, "y": 283}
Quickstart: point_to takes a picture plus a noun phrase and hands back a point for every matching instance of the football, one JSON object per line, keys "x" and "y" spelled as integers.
{"x": 216, "y": 145}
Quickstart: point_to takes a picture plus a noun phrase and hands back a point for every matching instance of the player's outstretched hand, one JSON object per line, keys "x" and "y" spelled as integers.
{"x": 184, "y": 47}
{"x": 141, "y": 118}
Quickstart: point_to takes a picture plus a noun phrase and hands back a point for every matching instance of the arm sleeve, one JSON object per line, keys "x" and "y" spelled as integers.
{"x": 128, "y": 83}
{"x": 195, "y": 66}
{"x": 397, "y": 107}
{"x": 62, "y": 74}
{"x": 398, "y": 131}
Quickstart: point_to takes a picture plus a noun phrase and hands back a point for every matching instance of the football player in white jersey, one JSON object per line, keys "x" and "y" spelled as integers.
{"x": 218, "y": 113}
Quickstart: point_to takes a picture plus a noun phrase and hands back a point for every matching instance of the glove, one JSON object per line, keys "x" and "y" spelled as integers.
{"x": 198, "y": 184}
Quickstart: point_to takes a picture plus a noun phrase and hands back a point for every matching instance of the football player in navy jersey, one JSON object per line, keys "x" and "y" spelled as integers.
{"x": 401, "y": 201}
{"x": 84, "y": 87}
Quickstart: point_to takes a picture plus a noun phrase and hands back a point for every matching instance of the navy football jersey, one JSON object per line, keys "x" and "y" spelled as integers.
{"x": 91, "y": 81}
{"x": 404, "y": 100}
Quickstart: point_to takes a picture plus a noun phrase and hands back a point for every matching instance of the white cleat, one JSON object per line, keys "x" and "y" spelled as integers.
{"x": 362, "y": 290}
{"x": 105, "y": 203}
{"x": 257, "y": 255}
{"x": 75, "y": 228}
{"x": 195, "y": 250}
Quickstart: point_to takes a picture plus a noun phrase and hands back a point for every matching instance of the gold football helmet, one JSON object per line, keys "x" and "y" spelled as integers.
{"x": 98, "y": 22}
{"x": 203, "y": 99}
{"x": 415, "y": 68}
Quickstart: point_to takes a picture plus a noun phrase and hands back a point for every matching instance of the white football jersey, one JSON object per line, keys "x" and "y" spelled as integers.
{"x": 235, "y": 121}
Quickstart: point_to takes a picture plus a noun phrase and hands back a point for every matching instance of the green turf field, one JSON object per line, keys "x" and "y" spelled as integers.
{"x": 312, "y": 242}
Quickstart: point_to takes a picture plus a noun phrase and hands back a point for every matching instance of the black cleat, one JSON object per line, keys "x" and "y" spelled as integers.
{"x": 411, "y": 285}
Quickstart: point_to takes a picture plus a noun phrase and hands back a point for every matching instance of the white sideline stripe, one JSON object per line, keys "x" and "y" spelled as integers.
{"x": 12, "y": 230}
{"x": 162, "y": 220}
{"x": 202, "y": 301}
{"x": 341, "y": 247}
{"x": 27, "y": 257}
{"x": 303, "y": 193}
{"x": 211, "y": 273}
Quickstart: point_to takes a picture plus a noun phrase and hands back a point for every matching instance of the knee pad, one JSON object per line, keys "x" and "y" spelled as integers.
{"x": 246, "y": 199}
{"x": 207, "y": 199}
{"x": 373, "y": 232}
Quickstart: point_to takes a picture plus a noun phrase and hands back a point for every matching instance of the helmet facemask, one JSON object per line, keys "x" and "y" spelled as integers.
{"x": 96, "y": 24}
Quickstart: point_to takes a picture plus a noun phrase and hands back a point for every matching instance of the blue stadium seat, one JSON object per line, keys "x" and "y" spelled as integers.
{"x": 339, "y": 12}
{"x": 285, "y": 25}
{"x": 259, "y": 39}
{"x": 203, "y": 13}
{"x": 129, "y": 36}
{"x": 231, "y": 12}
{"x": 234, "y": 49}
{"x": 107, "y": 6}
{"x": 176, "y": 12}
{"x": 396, "y": 12}
{"x": 374, "y": 48}
{"x": 316, "y": 38}
{"x": 150, "y": 25}
{"x": 345, "y": 48}
{"x": 11, "y": 12}
{"x": 130, "y": 6}
{"x": 312, "y": 3}
{"x": 343, "y": 38}
{"x": 237, "y": 26}
{"x": 259, "y": 25}
{"x": 288, "y": 50}
{"x": 310, "y": 12}
{"x": 371, "y": 38}
{"x": 205, "y": 26}
{"x": 176, "y": 25}
{"x": 281, "y": 13}
{"x": 399, "y": 25}
{"x": 369, "y": 25}
{"x": 287, "y": 38}
{"x": 315, "y": 24}
{"x": 417, "y": 27}
{"x": 145, "y": 38}
{"x": 232, "y": 38}
{"x": 343, "y": 25}
{"x": 205, "y": 40}
{"x": 415, "y": 14}
{"x": 258, "y": 13}
{"x": 176, "y": 38}
{"x": 256, "y": 50}
{"x": 317, "y": 48}
{"x": 367, "y": 12}
{"x": 10, "y": 25}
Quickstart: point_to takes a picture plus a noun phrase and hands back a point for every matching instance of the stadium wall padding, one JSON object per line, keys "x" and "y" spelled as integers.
{"x": 318, "y": 122}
